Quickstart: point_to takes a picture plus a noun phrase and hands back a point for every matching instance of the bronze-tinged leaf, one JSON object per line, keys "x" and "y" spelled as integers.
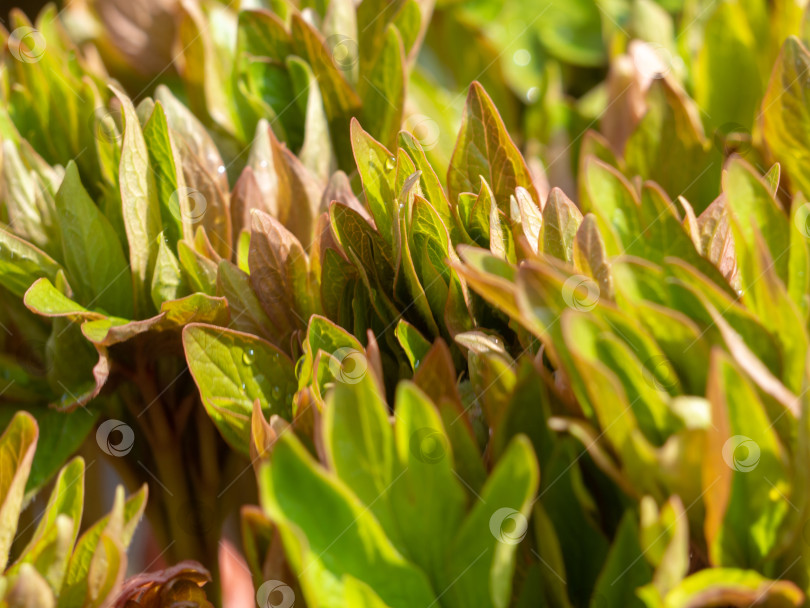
{"x": 717, "y": 240}
{"x": 207, "y": 202}
{"x": 531, "y": 217}
{"x": 590, "y": 255}
{"x": 436, "y": 375}
{"x": 300, "y": 212}
{"x": 278, "y": 272}
{"x": 245, "y": 197}
{"x": 484, "y": 148}
{"x": 339, "y": 189}
{"x": 289, "y": 191}
{"x": 669, "y": 146}
{"x": 561, "y": 219}
{"x": 180, "y": 584}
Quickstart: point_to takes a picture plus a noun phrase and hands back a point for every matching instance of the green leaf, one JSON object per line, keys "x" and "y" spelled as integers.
{"x": 376, "y": 167}
{"x": 593, "y": 344}
{"x": 96, "y": 546}
{"x": 727, "y": 585}
{"x": 200, "y": 272}
{"x": 755, "y": 209}
{"x": 164, "y": 159}
{"x": 484, "y": 149}
{"x": 247, "y": 314}
{"x": 141, "y": 206}
{"x": 17, "y": 445}
{"x": 431, "y": 249}
{"x": 324, "y": 335}
{"x": 339, "y": 99}
{"x": 609, "y": 195}
{"x": 786, "y": 114}
{"x": 93, "y": 254}
{"x": 664, "y": 535}
{"x": 383, "y": 90}
{"x": 590, "y": 254}
{"x": 63, "y": 433}
{"x": 232, "y": 370}
{"x": 728, "y": 56}
{"x": 316, "y": 152}
{"x": 798, "y": 281}
{"x": 572, "y": 31}
{"x": 412, "y": 342}
{"x": 745, "y": 472}
{"x": 427, "y": 500}
{"x": 359, "y": 442}
{"x": 45, "y": 299}
{"x": 21, "y": 263}
{"x": 52, "y": 543}
{"x": 358, "y": 594}
{"x": 668, "y": 146}
{"x": 28, "y": 201}
{"x": 168, "y": 282}
{"x": 329, "y": 534}
{"x": 625, "y": 568}
{"x": 481, "y": 559}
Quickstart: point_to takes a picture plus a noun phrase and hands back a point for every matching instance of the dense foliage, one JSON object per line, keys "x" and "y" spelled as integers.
{"x": 545, "y": 345}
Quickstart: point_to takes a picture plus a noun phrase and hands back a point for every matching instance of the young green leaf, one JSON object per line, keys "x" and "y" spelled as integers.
{"x": 484, "y": 148}
{"x": 92, "y": 252}
{"x": 232, "y": 370}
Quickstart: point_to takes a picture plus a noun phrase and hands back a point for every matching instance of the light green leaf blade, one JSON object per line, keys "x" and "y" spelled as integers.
{"x": 232, "y": 370}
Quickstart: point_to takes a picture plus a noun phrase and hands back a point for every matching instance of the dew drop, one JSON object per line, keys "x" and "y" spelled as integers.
{"x": 247, "y": 357}
{"x": 276, "y": 393}
{"x": 221, "y": 169}
{"x": 390, "y": 163}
